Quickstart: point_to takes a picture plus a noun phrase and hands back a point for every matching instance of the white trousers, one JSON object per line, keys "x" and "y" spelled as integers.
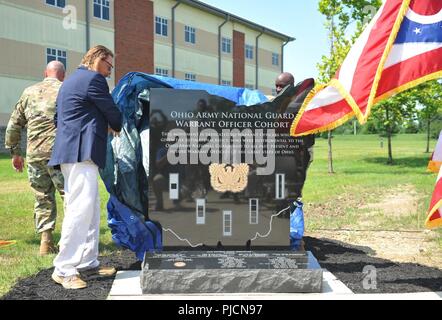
{"x": 81, "y": 223}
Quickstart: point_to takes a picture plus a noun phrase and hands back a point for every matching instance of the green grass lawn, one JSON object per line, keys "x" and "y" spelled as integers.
{"x": 362, "y": 176}
{"x": 332, "y": 200}
{"x": 17, "y": 223}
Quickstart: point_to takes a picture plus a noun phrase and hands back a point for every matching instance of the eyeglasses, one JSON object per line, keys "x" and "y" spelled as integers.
{"x": 109, "y": 64}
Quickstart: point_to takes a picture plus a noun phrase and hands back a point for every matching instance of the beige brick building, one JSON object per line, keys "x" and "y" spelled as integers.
{"x": 186, "y": 39}
{"x": 33, "y": 32}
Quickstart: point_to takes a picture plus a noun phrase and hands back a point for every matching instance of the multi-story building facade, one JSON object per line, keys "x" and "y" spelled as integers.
{"x": 186, "y": 39}
{"x": 34, "y": 32}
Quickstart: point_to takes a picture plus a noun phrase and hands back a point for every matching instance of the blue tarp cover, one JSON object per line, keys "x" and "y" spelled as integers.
{"x": 241, "y": 96}
{"x": 125, "y": 174}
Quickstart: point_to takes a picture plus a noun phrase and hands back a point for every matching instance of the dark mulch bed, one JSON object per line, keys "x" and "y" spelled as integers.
{"x": 345, "y": 261}
{"x": 42, "y": 287}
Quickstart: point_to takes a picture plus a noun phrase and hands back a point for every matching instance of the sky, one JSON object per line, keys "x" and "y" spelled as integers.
{"x": 296, "y": 18}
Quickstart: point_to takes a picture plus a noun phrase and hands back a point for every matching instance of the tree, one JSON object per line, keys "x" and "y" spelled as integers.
{"x": 390, "y": 114}
{"x": 429, "y": 96}
{"x": 340, "y": 15}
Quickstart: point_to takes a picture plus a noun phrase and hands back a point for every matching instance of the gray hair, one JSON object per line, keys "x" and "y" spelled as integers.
{"x": 55, "y": 66}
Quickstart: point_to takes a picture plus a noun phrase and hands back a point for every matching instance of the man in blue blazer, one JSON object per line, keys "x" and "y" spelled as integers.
{"x": 85, "y": 111}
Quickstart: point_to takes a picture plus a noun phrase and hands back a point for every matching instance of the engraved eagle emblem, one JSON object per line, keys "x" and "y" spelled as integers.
{"x": 226, "y": 177}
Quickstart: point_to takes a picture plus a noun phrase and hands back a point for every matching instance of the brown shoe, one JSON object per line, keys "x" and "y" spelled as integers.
{"x": 47, "y": 245}
{"x": 72, "y": 282}
{"x": 58, "y": 279}
{"x": 100, "y": 272}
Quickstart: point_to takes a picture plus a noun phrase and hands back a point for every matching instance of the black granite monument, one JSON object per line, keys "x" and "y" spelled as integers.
{"x": 223, "y": 177}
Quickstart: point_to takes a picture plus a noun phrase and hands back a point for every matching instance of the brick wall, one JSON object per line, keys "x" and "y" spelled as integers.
{"x": 134, "y": 42}
{"x": 238, "y": 59}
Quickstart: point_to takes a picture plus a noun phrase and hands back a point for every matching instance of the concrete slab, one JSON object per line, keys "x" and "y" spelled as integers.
{"x": 126, "y": 283}
{"x": 126, "y": 286}
{"x": 332, "y": 285}
{"x": 397, "y": 296}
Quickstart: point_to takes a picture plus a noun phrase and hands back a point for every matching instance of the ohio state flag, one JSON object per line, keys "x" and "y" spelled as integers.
{"x": 399, "y": 49}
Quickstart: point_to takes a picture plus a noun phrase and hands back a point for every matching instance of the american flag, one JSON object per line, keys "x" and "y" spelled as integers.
{"x": 434, "y": 216}
{"x": 399, "y": 49}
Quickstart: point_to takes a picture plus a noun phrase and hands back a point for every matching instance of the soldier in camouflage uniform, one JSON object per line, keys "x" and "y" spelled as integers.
{"x": 35, "y": 110}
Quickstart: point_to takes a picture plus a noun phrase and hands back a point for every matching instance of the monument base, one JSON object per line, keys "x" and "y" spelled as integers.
{"x": 230, "y": 272}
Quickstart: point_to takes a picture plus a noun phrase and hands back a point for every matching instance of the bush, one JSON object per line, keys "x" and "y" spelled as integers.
{"x": 410, "y": 127}
{"x": 370, "y": 128}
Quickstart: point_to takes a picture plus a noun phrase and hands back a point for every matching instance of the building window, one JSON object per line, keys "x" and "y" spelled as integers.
{"x": 253, "y": 211}
{"x": 226, "y": 83}
{"x": 250, "y": 86}
{"x": 190, "y": 77}
{"x": 280, "y": 186}
{"x": 275, "y": 59}
{"x": 189, "y": 34}
{"x": 174, "y": 186}
{"x": 249, "y": 52}
{"x": 57, "y": 3}
{"x": 161, "y": 72}
{"x": 101, "y": 9}
{"x": 226, "y": 45}
{"x": 227, "y": 223}
{"x": 200, "y": 211}
{"x": 161, "y": 26}
{"x": 56, "y": 55}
